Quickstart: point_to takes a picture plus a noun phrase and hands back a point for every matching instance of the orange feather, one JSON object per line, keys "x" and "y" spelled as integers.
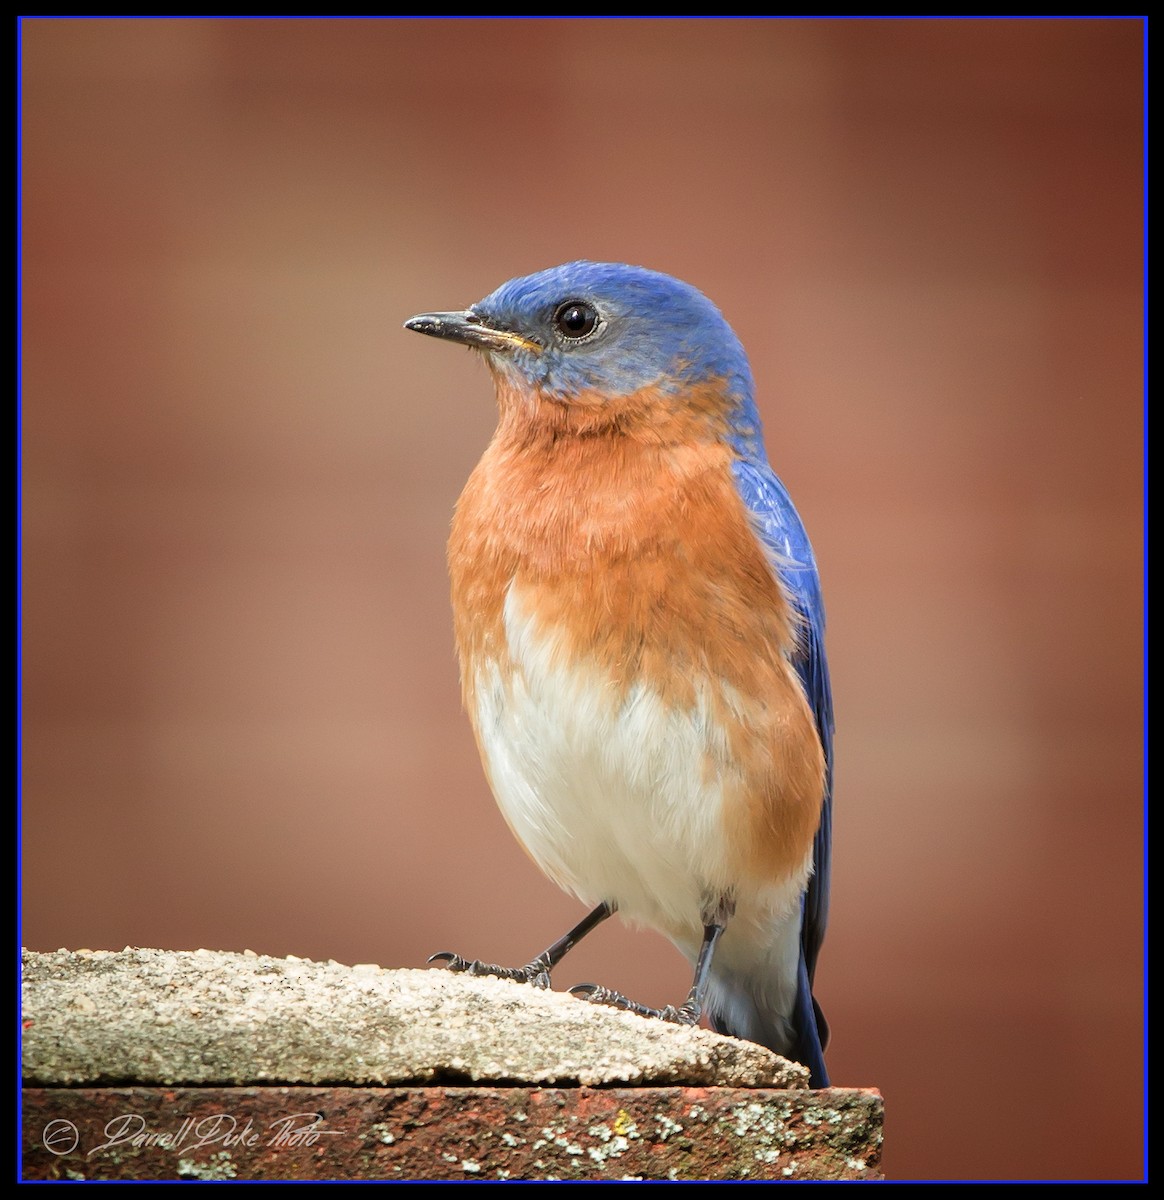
{"x": 619, "y": 522}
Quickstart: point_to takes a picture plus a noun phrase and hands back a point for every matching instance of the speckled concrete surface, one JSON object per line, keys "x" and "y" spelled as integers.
{"x": 202, "y": 1017}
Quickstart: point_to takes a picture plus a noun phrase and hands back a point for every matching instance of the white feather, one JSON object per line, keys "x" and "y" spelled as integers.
{"x": 612, "y": 795}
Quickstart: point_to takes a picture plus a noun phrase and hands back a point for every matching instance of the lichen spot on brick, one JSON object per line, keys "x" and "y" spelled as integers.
{"x": 613, "y": 1146}
{"x": 667, "y": 1126}
{"x": 757, "y": 1118}
{"x": 624, "y": 1126}
{"x": 217, "y": 1166}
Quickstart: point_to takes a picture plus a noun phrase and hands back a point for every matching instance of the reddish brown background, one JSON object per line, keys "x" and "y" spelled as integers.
{"x": 241, "y": 723}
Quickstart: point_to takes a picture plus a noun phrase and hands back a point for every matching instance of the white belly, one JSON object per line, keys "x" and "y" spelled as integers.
{"x": 613, "y": 793}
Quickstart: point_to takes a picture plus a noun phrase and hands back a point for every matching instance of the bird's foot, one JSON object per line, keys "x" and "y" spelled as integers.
{"x": 536, "y": 972}
{"x": 687, "y": 1013}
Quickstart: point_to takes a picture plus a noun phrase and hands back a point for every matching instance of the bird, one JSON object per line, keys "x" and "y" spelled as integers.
{"x": 640, "y": 630}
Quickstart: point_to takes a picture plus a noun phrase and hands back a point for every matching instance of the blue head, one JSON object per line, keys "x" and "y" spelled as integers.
{"x": 584, "y": 332}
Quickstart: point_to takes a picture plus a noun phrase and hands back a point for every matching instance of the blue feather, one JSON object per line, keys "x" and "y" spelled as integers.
{"x": 667, "y": 334}
{"x": 782, "y": 532}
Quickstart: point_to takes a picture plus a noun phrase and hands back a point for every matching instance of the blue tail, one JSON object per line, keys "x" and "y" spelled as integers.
{"x": 811, "y": 1030}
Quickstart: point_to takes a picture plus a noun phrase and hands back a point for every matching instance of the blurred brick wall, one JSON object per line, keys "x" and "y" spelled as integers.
{"x": 241, "y": 716}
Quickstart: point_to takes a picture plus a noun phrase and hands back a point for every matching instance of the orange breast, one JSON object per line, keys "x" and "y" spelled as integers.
{"x": 632, "y": 544}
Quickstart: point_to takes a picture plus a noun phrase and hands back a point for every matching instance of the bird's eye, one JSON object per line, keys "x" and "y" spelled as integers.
{"x": 575, "y": 319}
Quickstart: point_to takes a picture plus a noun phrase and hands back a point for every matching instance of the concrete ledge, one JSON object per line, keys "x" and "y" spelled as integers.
{"x": 149, "y": 1064}
{"x": 203, "y": 1018}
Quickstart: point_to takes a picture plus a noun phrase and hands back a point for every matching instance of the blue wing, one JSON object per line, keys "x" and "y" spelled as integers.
{"x": 782, "y": 532}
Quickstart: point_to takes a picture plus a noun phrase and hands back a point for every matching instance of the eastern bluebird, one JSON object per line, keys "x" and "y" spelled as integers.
{"x": 641, "y": 636}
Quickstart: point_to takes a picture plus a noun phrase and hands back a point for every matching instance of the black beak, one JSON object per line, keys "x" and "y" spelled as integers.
{"x": 470, "y": 330}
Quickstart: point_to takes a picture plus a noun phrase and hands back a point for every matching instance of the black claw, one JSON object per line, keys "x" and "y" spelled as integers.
{"x": 454, "y": 962}
{"x": 593, "y": 993}
{"x": 535, "y": 972}
{"x": 685, "y": 1014}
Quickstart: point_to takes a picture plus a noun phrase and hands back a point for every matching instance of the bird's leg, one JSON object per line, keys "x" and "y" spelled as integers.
{"x": 538, "y": 971}
{"x": 715, "y": 920}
